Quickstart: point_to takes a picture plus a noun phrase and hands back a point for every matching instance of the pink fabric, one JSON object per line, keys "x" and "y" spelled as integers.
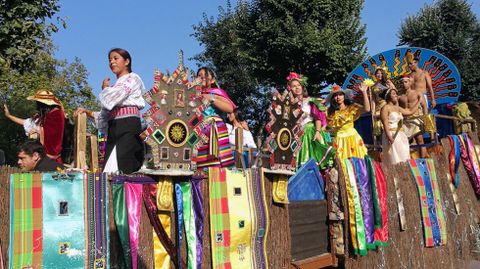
{"x": 317, "y": 114}
{"x": 220, "y": 92}
{"x": 133, "y": 197}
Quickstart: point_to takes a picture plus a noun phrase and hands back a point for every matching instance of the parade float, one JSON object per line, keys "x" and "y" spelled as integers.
{"x": 265, "y": 212}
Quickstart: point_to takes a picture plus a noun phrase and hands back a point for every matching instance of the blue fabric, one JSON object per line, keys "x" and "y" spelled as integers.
{"x": 307, "y": 184}
{"x": 179, "y": 228}
{"x": 432, "y": 212}
{"x": 444, "y": 126}
{"x": 364, "y": 128}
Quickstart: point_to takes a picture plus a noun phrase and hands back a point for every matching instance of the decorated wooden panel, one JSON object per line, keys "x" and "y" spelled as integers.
{"x": 446, "y": 80}
{"x": 174, "y": 121}
{"x": 283, "y": 142}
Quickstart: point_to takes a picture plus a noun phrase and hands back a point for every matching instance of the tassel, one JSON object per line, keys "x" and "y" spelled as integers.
{"x": 213, "y": 143}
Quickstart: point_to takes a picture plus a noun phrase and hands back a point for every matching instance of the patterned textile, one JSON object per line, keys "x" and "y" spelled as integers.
{"x": 434, "y": 227}
{"x": 165, "y": 206}
{"x": 463, "y": 146}
{"x": 239, "y": 219}
{"x": 26, "y": 217}
{"x": 307, "y": 184}
{"x": 260, "y": 218}
{"x": 216, "y": 153}
{"x": 149, "y": 199}
{"x": 63, "y": 220}
{"x": 219, "y": 218}
{"x": 96, "y": 221}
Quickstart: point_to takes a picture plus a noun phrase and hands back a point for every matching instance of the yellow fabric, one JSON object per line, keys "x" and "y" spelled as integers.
{"x": 351, "y": 206}
{"x": 240, "y": 220}
{"x": 280, "y": 189}
{"x": 160, "y": 255}
{"x": 343, "y": 119}
{"x": 165, "y": 194}
{"x": 430, "y": 125}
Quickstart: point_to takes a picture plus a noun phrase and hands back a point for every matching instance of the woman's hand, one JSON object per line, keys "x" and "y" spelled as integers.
{"x": 81, "y": 110}
{"x": 6, "y": 111}
{"x": 363, "y": 87}
{"x": 318, "y": 137}
{"x": 106, "y": 83}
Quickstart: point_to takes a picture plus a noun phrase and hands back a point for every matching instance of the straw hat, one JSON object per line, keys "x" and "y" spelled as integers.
{"x": 46, "y": 97}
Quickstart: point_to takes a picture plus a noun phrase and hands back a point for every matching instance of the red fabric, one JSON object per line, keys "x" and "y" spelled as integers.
{"x": 382, "y": 233}
{"x": 53, "y": 133}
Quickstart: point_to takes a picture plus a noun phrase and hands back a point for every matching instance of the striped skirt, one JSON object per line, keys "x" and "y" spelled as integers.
{"x": 216, "y": 152}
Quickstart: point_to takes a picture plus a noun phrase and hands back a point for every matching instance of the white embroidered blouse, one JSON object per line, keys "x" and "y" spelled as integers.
{"x": 127, "y": 91}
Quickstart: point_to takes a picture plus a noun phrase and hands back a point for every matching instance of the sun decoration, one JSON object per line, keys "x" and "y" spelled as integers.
{"x": 177, "y": 133}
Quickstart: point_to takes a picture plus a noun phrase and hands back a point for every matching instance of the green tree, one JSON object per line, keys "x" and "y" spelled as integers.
{"x": 254, "y": 46}
{"x": 25, "y": 29}
{"x": 68, "y": 81}
{"x": 451, "y": 28}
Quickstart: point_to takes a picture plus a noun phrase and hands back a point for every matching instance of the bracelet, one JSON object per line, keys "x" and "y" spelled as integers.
{"x": 317, "y": 131}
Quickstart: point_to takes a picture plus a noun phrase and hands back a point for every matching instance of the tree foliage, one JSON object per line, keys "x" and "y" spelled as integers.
{"x": 451, "y": 28}
{"x": 25, "y": 29}
{"x": 254, "y": 46}
{"x": 68, "y": 81}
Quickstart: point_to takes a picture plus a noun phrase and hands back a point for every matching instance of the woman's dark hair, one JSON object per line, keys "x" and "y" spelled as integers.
{"x": 238, "y": 115}
{"x": 208, "y": 71}
{"x": 43, "y": 110}
{"x": 387, "y": 94}
{"x": 384, "y": 76}
{"x": 125, "y": 55}
{"x": 334, "y": 106}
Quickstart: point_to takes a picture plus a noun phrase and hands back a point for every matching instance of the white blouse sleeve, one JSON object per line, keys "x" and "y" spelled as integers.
{"x": 125, "y": 86}
{"x": 248, "y": 140}
{"x": 30, "y": 125}
{"x": 101, "y": 120}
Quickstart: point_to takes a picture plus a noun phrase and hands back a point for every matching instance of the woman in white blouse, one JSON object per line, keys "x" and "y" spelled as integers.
{"x": 237, "y": 121}
{"x": 120, "y": 115}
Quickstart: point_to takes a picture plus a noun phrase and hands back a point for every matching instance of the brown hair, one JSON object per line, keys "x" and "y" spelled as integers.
{"x": 125, "y": 55}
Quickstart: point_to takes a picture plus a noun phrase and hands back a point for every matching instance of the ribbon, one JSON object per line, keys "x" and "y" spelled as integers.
{"x": 198, "y": 213}
{"x": 179, "y": 229}
{"x": 365, "y": 190}
{"x": 133, "y": 195}
{"x": 381, "y": 233}
{"x": 454, "y": 158}
{"x": 120, "y": 216}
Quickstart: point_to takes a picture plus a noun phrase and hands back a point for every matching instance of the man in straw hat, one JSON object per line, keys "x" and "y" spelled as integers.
{"x": 47, "y": 125}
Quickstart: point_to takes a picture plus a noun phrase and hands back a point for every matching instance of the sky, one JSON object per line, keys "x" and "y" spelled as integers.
{"x": 153, "y": 31}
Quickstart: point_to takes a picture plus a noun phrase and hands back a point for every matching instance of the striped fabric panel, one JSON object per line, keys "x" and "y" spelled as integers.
{"x": 260, "y": 219}
{"x": 96, "y": 220}
{"x": 26, "y": 217}
{"x": 219, "y": 219}
{"x": 225, "y": 156}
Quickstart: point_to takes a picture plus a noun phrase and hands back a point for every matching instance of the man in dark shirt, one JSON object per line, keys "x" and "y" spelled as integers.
{"x": 32, "y": 157}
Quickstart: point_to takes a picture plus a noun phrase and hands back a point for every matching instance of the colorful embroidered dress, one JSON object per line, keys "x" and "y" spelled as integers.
{"x": 399, "y": 151}
{"x": 321, "y": 152}
{"x": 348, "y": 143}
{"x": 217, "y": 152}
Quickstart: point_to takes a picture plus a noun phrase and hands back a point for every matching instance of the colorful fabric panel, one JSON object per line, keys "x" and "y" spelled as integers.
{"x": 96, "y": 218}
{"x": 260, "y": 218}
{"x": 26, "y": 216}
{"x": 434, "y": 227}
{"x": 63, "y": 220}
{"x": 217, "y": 152}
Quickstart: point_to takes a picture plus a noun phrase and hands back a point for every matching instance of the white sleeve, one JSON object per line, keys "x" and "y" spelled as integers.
{"x": 30, "y": 125}
{"x": 248, "y": 140}
{"x": 101, "y": 120}
{"x": 119, "y": 92}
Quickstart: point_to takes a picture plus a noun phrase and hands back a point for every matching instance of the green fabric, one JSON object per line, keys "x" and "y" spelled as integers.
{"x": 121, "y": 221}
{"x": 376, "y": 200}
{"x": 189, "y": 223}
{"x": 62, "y": 230}
{"x": 320, "y": 106}
{"x": 360, "y": 227}
{"x": 322, "y": 153}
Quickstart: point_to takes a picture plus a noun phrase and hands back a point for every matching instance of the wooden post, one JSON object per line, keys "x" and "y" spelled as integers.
{"x": 401, "y": 207}
{"x": 80, "y": 140}
{"x": 239, "y": 160}
{"x": 93, "y": 153}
